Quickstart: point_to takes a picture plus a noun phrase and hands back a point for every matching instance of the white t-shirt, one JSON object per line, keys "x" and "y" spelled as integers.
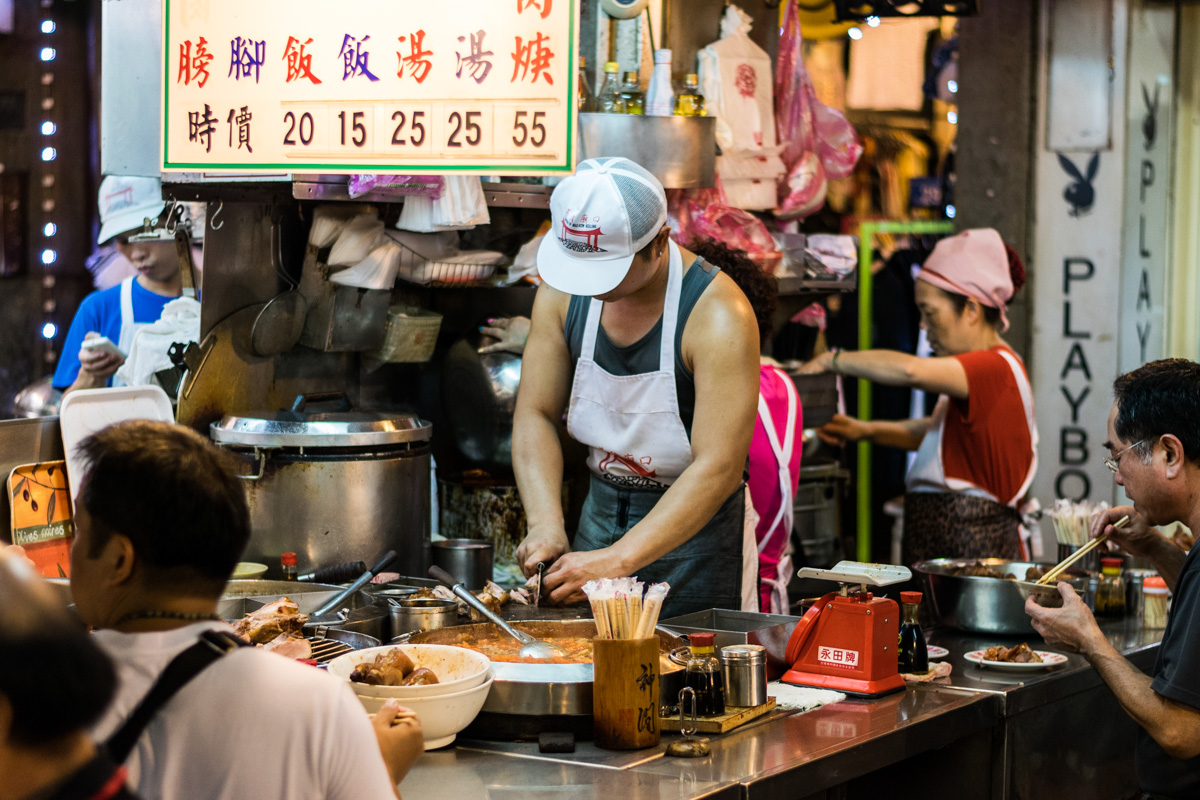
{"x": 252, "y": 725}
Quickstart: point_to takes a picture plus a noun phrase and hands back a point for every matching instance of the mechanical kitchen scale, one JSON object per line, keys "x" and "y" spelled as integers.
{"x": 848, "y": 640}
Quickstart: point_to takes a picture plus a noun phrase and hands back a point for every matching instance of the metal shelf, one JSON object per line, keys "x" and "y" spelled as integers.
{"x": 333, "y": 188}
{"x": 791, "y": 285}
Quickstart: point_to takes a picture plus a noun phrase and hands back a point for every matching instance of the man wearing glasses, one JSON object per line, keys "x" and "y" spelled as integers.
{"x": 1154, "y": 439}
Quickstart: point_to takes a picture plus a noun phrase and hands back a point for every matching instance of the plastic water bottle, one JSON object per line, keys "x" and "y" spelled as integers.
{"x": 608, "y": 99}
{"x": 660, "y": 97}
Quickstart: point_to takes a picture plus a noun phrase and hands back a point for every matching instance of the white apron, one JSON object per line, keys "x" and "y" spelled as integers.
{"x": 782, "y": 524}
{"x": 631, "y": 423}
{"x": 129, "y": 328}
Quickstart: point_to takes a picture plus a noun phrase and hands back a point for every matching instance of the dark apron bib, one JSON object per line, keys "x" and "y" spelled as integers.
{"x": 955, "y": 525}
{"x": 704, "y": 572}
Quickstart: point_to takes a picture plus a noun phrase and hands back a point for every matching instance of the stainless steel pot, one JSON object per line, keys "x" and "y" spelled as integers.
{"x": 422, "y": 614}
{"x": 333, "y": 486}
{"x": 983, "y": 605}
{"x": 365, "y": 615}
{"x": 480, "y": 393}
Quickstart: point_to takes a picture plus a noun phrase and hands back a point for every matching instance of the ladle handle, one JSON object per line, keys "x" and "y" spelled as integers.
{"x": 474, "y": 602}
{"x": 362, "y": 581}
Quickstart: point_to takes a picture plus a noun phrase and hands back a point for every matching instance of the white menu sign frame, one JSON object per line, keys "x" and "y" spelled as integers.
{"x": 468, "y": 87}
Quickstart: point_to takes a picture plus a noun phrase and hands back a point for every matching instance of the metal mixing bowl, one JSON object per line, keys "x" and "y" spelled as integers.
{"x": 982, "y": 605}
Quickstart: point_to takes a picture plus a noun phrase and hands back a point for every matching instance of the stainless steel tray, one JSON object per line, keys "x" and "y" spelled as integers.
{"x": 772, "y": 631}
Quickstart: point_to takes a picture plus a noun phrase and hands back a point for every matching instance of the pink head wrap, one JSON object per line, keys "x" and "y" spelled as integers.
{"x": 973, "y": 263}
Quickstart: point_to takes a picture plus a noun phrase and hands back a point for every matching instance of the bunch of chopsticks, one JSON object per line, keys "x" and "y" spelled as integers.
{"x": 620, "y": 608}
{"x": 1080, "y": 553}
{"x": 1073, "y": 521}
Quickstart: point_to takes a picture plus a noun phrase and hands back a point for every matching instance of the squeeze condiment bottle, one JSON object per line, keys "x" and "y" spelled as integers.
{"x": 287, "y": 563}
{"x": 1154, "y": 610}
{"x": 913, "y": 655}
{"x": 704, "y": 676}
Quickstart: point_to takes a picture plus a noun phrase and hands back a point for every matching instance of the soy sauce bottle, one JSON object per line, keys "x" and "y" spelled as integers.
{"x": 912, "y": 655}
{"x": 704, "y": 676}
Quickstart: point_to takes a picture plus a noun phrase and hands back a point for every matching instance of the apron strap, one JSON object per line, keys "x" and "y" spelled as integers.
{"x": 670, "y": 318}
{"x": 182, "y": 669}
{"x": 1027, "y": 401}
{"x": 783, "y": 458}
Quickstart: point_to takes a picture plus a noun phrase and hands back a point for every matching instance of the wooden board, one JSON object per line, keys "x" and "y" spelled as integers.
{"x": 732, "y": 718}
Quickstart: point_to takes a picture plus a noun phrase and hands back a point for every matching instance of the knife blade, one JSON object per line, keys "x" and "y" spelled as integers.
{"x": 537, "y": 586}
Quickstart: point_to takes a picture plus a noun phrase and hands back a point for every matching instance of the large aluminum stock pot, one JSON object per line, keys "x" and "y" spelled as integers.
{"x": 334, "y": 486}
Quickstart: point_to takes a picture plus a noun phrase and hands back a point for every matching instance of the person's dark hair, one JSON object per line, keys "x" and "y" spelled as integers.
{"x": 760, "y": 288}
{"x": 54, "y": 676}
{"x": 1159, "y": 398}
{"x": 173, "y": 494}
{"x": 1016, "y": 271}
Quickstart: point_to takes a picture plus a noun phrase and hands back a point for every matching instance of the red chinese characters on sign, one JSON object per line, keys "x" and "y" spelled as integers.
{"x": 193, "y": 62}
{"x": 417, "y": 61}
{"x": 532, "y": 57}
{"x": 538, "y": 5}
{"x": 299, "y": 63}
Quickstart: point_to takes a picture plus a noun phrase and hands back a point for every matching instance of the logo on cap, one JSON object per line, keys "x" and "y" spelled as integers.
{"x": 581, "y": 227}
{"x": 120, "y": 199}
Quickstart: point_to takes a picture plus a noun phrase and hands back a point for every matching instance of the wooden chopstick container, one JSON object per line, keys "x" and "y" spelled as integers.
{"x": 625, "y": 693}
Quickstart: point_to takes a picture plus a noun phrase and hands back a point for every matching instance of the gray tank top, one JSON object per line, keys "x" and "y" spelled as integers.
{"x": 642, "y": 356}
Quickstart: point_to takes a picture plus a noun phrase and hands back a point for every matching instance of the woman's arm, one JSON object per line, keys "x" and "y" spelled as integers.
{"x": 721, "y": 347}
{"x": 939, "y": 375}
{"x": 536, "y": 450}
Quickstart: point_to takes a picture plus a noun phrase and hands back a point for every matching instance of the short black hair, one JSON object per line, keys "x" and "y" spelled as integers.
{"x": 175, "y": 496}
{"x": 1159, "y": 398}
{"x": 52, "y": 673}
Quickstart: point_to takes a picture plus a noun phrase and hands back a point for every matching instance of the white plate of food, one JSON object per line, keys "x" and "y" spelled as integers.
{"x": 936, "y": 652}
{"x": 1019, "y": 658}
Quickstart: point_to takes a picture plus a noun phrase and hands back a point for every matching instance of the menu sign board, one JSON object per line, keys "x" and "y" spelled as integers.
{"x": 408, "y": 86}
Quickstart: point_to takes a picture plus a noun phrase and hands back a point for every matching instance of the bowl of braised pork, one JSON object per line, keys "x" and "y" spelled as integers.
{"x": 412, "y": 670}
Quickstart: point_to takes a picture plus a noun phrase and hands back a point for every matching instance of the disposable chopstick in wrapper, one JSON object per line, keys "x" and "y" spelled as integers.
{"x": 624, "y": 608}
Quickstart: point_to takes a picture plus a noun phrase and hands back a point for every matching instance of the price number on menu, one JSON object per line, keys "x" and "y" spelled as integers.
{"x": 433, "y": 129}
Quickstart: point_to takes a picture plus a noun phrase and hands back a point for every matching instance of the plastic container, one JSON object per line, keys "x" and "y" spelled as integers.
{"x": 689, "y": 102}
{"x": 660, "y": 97}
{"x": 631, "y": 94}
{"x": 1154, "y": 606}
{"x": 608, "y": 99}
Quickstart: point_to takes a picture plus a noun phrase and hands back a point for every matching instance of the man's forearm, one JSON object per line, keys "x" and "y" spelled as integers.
{"x": 538, "y": 465}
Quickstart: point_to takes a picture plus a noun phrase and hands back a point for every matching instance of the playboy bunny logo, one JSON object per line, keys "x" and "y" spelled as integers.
{"x": 1150, "y": 122}
{"x": 1081, "y": 194}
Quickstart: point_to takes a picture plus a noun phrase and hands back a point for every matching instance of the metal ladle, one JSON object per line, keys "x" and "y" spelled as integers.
{"x": 530, "y": 647}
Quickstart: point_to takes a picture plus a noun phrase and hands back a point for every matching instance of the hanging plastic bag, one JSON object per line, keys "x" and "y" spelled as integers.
{"x": 376, "y": 271}
{"x": 684, "y": 206}
{"x": 738, "y": 230}
{"x": 358, "y": 238}
{"x": 397, "y": 185}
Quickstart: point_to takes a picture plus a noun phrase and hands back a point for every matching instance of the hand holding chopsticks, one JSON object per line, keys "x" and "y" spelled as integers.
{"x": 1080, "y": 553}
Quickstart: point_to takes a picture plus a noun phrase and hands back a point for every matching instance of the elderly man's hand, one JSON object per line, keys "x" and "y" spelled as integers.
{"x": 1071, "y": 627}
{"x": 400, "y": 739}
{"x": 1136, "y": 538}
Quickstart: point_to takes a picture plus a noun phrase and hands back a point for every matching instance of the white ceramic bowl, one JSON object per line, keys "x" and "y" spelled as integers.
{"x": 457, "y": 668}
{"x": 443, "y": 716}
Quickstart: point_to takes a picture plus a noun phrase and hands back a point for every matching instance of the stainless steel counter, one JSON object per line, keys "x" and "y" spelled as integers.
{"x": 976, "y": 734}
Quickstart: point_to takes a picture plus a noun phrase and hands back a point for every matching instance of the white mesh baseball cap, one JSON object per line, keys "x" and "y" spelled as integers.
{"x": 125, "y": 201}
{"x": 601, "y": 217}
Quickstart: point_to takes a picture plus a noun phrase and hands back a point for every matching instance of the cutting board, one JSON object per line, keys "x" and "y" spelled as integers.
{"x": 732, "y": 718}
{"x": 41, "y": 516}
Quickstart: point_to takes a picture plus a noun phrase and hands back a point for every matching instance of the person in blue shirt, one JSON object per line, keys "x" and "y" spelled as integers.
{"x": 118, "y": 313}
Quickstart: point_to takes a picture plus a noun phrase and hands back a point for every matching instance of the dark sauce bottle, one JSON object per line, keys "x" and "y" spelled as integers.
{"x": 704, "y": 676}
{"x": 913, "y": 655}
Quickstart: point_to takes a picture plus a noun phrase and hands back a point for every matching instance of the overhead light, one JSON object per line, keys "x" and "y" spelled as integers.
{"x": 951, "y": 212}
{"x": 49, "y": 154}
{"x": 50, "y": 229}
{"x": 49, "y": 330}
{"x": 855, "y": 33}
{"x": 952, "y": 87}
{"x": 952, "y": 117}
{"x": 48, "y": 54}
{"x": 48, "y": 26}
{"x": 49, "y": 257}
{"x": 48, "y": 128}
{"x": 872, "y": 22}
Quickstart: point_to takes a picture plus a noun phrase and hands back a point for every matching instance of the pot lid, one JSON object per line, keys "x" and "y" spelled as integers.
{"x": 331, "y": 429}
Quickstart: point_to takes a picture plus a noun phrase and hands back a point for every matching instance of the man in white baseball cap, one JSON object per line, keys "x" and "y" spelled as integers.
{"x": 117, "y": 313}
{"x": 653, "y": 355}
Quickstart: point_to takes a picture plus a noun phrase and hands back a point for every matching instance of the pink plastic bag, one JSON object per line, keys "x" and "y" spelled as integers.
{"x": 400, "y": 185}
{"x": 808, "y": 127}
{"x": 737, "y": 230}
{"x": 685, "y": 205}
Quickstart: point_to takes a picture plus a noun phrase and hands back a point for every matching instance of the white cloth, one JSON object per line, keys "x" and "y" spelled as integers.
{"x": 148, "y": 353}
{"x": 631, "y": 423}
{"x": 129, "y": 328}
{"x": 735, "y": 78}
{"x": 785, "y": 516}
{"x": 462, "y": 205}
{"x": 376, "y": 271}
{"x": 887, "y": 65}
{"x": 802, "y": 698}
{"x": 750, "y": 558}
{"x": 252, "y": 725}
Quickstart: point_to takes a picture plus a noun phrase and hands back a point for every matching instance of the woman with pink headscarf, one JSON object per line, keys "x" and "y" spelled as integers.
{"x": 976, "y": 454}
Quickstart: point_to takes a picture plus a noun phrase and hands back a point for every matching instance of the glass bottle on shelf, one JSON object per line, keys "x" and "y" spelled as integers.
{"x": 585, "y": 99}
{"x": 287, "y": 563}
{"x": 703, "y": 675}
{"x": 608, "y": 99}
{"x": 913, "y": 655}
{"x": 1110, "y": 591}
{"x": 689, "y": 102}
{"x": 631, "y": 93}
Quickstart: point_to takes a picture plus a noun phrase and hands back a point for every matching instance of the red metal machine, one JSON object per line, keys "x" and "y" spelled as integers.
{"x": 848, "y": 639}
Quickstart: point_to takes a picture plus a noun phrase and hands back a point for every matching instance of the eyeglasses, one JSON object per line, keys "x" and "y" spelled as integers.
{"x": 1114, "y": 463}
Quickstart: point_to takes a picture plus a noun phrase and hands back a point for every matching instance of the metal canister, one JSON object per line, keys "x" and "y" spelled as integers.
{"x": 1134, "y": 599}
{"x": 745, "y": 671}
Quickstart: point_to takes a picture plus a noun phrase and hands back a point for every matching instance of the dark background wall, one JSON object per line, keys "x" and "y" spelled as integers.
{"x": 35, "y": 192}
